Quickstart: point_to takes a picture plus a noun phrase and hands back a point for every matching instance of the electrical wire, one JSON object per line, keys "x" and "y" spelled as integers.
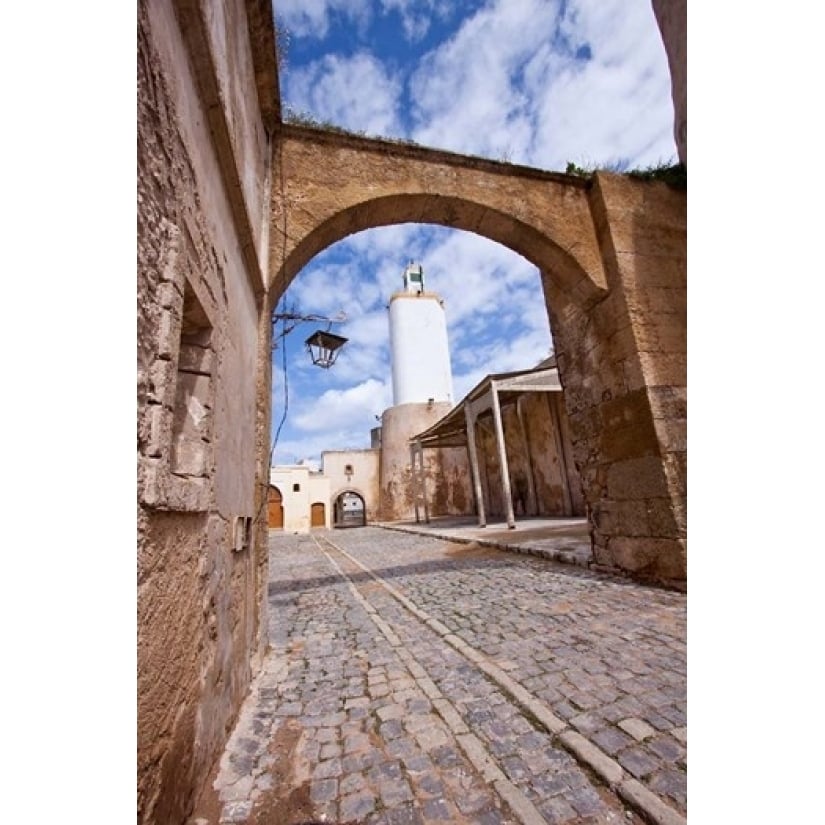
{"x": 286, "y": 398}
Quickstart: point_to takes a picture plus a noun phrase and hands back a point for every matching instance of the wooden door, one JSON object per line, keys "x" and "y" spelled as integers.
{"x": 275, "y": 515}
{"x": 318, "y": 516}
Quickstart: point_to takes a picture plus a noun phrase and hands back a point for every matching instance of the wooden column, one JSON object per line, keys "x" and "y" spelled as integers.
{"x": 502, "y": 457}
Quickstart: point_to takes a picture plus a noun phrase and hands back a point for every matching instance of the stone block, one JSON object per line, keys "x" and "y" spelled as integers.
{"x": 673, "y": 435}
{"x": 611, "y": 740}
{"x": 628, "y": 440}
{"x": 192, "y": 415}
{"x": 671, "y": 333}
{"x": 170, "y": 297}
{"x": 637, "y": 478}
{"x": 605, "y": 517}
{"x": 668, "y": 402}
{"x": 195, "y": 359}
{"x": 162, "y": 376}
{"x": 657, "y": 558}
{"x": 675, "y": 464}
{"x": 664, "y": 369}
{"x": 662, "y": 518}
{"x": 637, "y": 728}
{"x": 357, "y": 806}
{"x": 151, "y": 482}
{"x": 632, "y": 373}
{"x": 633, "y": 518}
{"x": 168, "y": 338}
{"x": 653, "y": 302}
{"x": 159, "y": 433}
{"x": 189, "y": 457}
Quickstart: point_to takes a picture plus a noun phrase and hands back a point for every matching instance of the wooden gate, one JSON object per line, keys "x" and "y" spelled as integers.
{"x": 318, "y": 515}
{"x": 275, "y": 514}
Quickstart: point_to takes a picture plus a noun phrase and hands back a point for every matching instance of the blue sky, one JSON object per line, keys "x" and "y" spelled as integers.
{"x": 535, "y": 82}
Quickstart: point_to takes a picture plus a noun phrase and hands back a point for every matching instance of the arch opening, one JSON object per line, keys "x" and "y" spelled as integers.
{"x": 575, "y": 271}
{"x": 350, "y": 510}
{"x": 496, "y": 316}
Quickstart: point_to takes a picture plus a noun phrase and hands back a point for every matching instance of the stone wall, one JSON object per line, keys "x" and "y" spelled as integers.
{"x": 624, "y": 371}
{"x": 203, "y": 197}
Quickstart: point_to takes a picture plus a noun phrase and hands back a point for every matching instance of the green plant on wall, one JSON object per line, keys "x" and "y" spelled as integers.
{"x": 672, "y": 174}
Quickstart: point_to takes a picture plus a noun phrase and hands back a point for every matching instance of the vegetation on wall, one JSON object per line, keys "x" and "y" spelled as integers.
{"x": 674, "y": 175}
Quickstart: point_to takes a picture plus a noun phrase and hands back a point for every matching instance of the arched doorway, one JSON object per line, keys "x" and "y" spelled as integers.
{"x": 275, "y": 509}
{"x": 350, "y": 510}
{"x": 318, "y": 515}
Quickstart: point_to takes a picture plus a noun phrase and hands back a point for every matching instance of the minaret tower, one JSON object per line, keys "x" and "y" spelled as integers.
{"x": 419, "y": 353}
{"x": 422, "y": 389}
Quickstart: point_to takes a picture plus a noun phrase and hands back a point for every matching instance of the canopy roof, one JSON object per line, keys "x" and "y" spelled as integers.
{"x": 451, "y": 430}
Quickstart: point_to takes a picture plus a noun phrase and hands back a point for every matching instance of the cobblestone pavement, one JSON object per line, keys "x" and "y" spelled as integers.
{"x": 414, "y": 680}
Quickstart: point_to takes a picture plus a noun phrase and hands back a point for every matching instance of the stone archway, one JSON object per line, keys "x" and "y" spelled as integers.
{"x": 612, "y": 260}
{"x": 350, "y": 509}
{"x": 545, "y": 216}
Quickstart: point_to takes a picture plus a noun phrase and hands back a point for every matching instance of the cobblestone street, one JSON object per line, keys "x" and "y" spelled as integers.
{"x": 417, "y": 680}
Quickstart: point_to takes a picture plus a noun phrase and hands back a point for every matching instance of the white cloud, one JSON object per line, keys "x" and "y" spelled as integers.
{"x": 466, "y": 93}
{"x": 615, "y": 106}
{"x": 340, "y": 409}
{"x": 311, "y": 18}
{"x": 417, "y": 15}
{"x": 508, "y": 85}
{"x": 357, "y": 93}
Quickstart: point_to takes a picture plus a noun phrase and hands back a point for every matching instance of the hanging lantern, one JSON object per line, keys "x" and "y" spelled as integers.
{"x": 323, "y": 347}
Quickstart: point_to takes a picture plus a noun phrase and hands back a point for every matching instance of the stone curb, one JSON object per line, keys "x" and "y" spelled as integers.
{"x": 562, "y": 556}
{"x": 469, "y": 743}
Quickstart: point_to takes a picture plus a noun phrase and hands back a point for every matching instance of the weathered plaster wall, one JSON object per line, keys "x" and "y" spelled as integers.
{"x": 558, "y": 414}
{"x": 554, "y": 476}
{"x": 364, "y": 479}
{"x": 446, "y": 471}
{"x": 449, "y": 483}
{"x": 543, "y": 479}
{"x": 201, "y": 570}
{"x": 297, "y": 504}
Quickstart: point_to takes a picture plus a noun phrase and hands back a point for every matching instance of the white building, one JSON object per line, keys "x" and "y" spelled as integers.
{"x": 419, "y": 352}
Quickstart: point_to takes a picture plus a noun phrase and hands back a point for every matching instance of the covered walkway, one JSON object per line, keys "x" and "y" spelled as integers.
{"x": 458, "y": 429}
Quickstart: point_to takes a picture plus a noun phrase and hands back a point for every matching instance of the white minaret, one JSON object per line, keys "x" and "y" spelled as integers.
{"x": 419, "y": 353}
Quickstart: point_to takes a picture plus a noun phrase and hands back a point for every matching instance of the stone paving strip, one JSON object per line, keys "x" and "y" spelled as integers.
{"x": 541, "y": 782}
{"x": 362, "y": 714}
{"x": 599, "y": 662}
{"x": 336, "y": 728}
